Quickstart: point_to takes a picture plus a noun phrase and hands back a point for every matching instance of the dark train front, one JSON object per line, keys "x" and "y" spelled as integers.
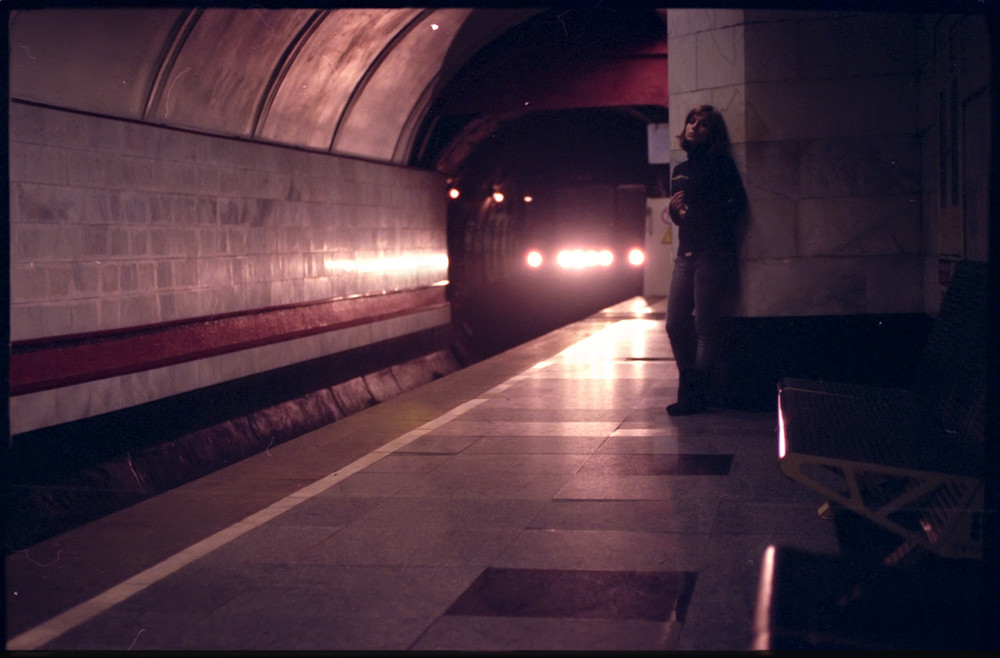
{"x": 546, "y": 225}
{"x": 586, "y": 234}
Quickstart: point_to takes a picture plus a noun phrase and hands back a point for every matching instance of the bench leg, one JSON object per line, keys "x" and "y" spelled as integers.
{"x": 948, "y": 525}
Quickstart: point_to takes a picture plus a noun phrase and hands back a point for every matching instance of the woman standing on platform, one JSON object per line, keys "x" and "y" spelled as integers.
{"x": 707, "y": 201}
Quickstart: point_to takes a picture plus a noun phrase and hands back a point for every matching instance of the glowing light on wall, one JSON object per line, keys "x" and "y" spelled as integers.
{"x": 636, "y": 257}
{"x": 528, "y": 198}
{"x": 498, "y": 197}
{"x": 534, "y": 259}
{"x": 410, "y": 263}
{"x": 454, "y": 193}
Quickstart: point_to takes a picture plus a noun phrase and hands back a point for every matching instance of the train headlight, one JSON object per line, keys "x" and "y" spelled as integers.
{"x": 579, "y": 259}
{"x": 567, "y": 259}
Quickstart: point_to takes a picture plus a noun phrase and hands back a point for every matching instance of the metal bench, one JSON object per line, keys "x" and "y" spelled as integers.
{"x": 909, "y": 460}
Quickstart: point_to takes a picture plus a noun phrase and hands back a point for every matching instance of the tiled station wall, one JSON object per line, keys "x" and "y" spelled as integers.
{"x": 835, "y": 119}
{"x": 147, "y": 262}
{"x": 833, "y": 116}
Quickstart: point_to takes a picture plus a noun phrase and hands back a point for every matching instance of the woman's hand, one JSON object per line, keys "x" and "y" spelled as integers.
{"x": 678, "y": 209}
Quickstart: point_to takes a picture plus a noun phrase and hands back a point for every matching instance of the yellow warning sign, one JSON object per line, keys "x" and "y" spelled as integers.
{"x": 668, "y": 237}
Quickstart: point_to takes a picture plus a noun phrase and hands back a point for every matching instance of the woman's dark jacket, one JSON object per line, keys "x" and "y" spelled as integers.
{"x": 716, "y": 200}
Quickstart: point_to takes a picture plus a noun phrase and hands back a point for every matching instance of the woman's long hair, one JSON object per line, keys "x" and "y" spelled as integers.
{"x": 718, "y": 136}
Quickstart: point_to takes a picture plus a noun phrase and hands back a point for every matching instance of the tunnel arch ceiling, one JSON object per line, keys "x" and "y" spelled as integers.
{"x": 557, "y": 61}
{"x": 352, "y": 81}
{"x": 358, "y": 81}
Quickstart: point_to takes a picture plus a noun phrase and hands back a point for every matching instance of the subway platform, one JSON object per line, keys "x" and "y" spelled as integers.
{"x": 541, "y": 499}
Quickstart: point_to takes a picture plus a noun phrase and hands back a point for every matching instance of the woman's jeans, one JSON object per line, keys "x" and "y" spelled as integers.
{"x": 701, "y": 290}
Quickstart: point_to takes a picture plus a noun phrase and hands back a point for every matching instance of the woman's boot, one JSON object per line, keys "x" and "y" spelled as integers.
{"x": 691, "y": 393}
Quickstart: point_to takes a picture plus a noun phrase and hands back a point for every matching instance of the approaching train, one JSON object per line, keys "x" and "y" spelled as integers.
{"x": 524, "y": 261}
{"x": 586, "y": 230}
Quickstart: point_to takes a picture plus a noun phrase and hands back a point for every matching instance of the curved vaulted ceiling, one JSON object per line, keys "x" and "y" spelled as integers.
{"x": 352, "y": 81}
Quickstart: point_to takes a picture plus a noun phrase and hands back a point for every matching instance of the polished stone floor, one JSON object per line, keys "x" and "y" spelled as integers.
{"x": 541, "y": 500}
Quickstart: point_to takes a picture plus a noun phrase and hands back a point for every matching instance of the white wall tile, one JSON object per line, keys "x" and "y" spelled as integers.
{"x": 154, "y": 177}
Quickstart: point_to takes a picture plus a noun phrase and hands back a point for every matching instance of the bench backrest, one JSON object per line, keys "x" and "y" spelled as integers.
{"x": 951, "y": 375}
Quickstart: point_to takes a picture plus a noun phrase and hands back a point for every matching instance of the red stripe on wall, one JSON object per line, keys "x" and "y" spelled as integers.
{"x": 42, "y": 364}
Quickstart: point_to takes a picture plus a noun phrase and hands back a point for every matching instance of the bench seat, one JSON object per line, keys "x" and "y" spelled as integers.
{"x": 875, "y": 425}
{"x": 879, "y": 452}
{"x": 908, "y": 459}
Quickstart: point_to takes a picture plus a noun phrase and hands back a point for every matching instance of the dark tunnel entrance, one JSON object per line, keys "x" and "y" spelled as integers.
{"x": 568, "y": 179}
{"x": 554, "y": 116}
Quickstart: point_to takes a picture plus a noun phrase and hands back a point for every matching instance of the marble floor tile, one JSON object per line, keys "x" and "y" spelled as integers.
{"x": 690, "y": 515}
{"x": 555, "y": 508}
{"x": 517, "y": 427}
{"x": 599, "y": 486}
{"x": 529, "y": 400}
{"x": 491, "y": 484}
{"x": 320, "y": 607}
{"x": 413, "y": 545}
{"x": 457, "y": 633}
{"x": 537, "y": 444}
{"x": 584, "y": 594}
{"x": 438, "y": 444}
{"x": 566, "y": 463}
{"x": 605, "y": 550}
{"x": 458, "y": 513}
{"x": 485, "y": 413}
{"x": 658, "y": 464}
{"x": 645, "y": 442}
